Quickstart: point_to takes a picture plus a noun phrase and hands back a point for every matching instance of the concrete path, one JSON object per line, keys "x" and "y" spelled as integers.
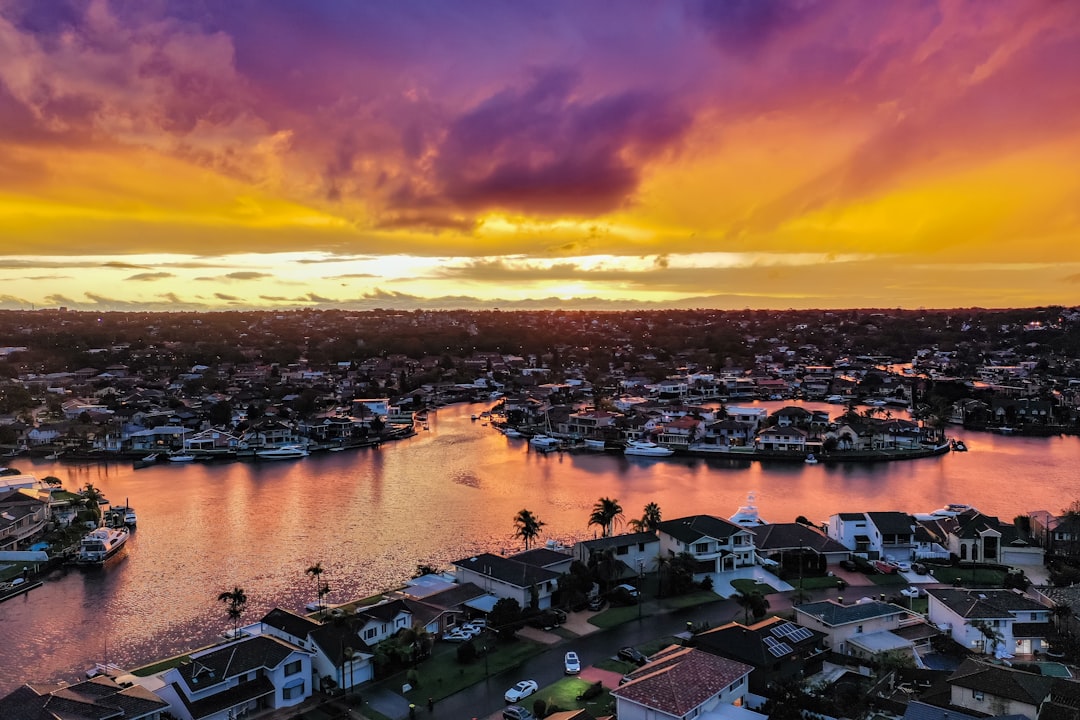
{"x": 722, "y": 581}
{"x": 388, "y": 703}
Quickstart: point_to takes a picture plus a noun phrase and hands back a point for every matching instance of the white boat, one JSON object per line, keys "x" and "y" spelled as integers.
{"x": 151, "y": 458}
{"x": 511, "y": 432}
{"x": 285, "y": 452}
{"x": 951, "y": 510}
{"x": 747, "y": 515}
{"x": 101, "y": 544}
{"x": 647, "y": 449}
{"x": 958, "y": 446}
{"x": 53, "y": 456}
{"x": 544, "y": 442}
{"x": 181, "y": 458}
{"x": 594, "y": 444}
{"x": 811, "y": 460}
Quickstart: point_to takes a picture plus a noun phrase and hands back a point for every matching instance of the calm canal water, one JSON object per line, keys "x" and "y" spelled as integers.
{"x": 371, "y": 516}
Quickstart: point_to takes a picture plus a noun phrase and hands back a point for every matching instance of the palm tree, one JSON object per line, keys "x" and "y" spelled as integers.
{"x": 605, "y": 566}
{"x": 92, "y": 498}
{"x": 527, "y": 526}
{"x": 606, "y": 513}
{"x": 650, "y": 520}
{"x": 752, "y": 603}
{"x": 237, "y": 602}
{"x": 316, "y": 571}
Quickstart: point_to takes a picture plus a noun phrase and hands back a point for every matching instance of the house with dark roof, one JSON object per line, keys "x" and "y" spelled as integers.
{"x": 679, "y": 683}
{"x": 341, "y": 658}
{"x": 776, "y": 648}
{"x": 634, "y": 550}
{"x": 508, "y": 578}
{"x": 776, "y": 539}
{"x": 100, "y": 697}
{"x": 716, "y": 544}
{"x": 998, "y": 690}
{"x": 973, "y": 536}
{"x": 875, "y": 534}
{"x": 249, "y": 675}
{"x": 375, "y": 623}
{"x": 545, "y": 558}
{"x": 863, "y": 629}
{"x": 1004, "y": 622}
{"x": 1057, "y": 534}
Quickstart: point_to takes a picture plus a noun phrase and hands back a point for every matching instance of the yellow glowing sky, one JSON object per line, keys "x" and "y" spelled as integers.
{"x": 835, "y": 154}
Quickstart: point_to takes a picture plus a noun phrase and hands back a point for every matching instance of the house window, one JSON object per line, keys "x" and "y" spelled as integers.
{"x": 291, "y": 692}
{"x": 370, "y": 633}
{"x": 858, "y": 629}
{"x": 622, "y": 550}
{"x": 641, "y": 547}
{"x": 977, "y": 694}
{"x": 294, "y": 667}
{"x": 701, "y": 547}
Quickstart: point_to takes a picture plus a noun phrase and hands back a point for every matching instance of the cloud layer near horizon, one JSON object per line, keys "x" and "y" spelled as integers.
{"x": 914, "y": 136}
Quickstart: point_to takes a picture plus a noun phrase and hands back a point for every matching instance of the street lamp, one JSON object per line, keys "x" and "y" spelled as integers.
{"x": 641, "y": 585}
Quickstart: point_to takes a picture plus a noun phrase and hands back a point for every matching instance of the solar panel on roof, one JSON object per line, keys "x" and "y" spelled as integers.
{"x": 778, "y": 649}
{"x": 800, "y": 634}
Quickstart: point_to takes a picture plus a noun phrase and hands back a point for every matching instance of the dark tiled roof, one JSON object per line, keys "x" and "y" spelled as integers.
{"x": 852, "y": 516}
{"x": 454, "y": 597}
{"x": 677, "y": 681}
{"x": 542, "y": 557}
{"x": 793, "y": 535}
{"x": 507, "y": 570}
{"x": 617, "y": 541}
{"x": 332, "y": 639}
{"x": 689, "y": 529}
{"x": 98, "y": 698}
{"x": 236, "y": 658}
{"x": 1002, "y": 682}
{"x": 833, "y": 613}
{"x": 235, "y": 695}
{"x": 922, "y": 711}
{"x": 984, "y": 603}
{"x": 385, "y": 611}
{"x": 747, "y": 643}
{"x": 290, "y": 623}
{"x": 892, "y": 523}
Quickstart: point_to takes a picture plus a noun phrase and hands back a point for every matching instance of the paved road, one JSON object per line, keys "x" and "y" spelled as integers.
{"x": 485, "y": 698}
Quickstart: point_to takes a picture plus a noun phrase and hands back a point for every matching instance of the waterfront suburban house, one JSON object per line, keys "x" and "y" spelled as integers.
{"x": 1059, "y": 535}
{"x": 866, "y": 628}
{"x": 680, "y": 683}
{"x": 375, "y": 623}
{"x": 974, "y": 537}
{"x": 340, "y": 658}
{"x": 999, "y": 691}
{"x": 783, "y": 439}
{"x": 716, "y": 544}
{"x": 874, "y": 535}
{"x": 22, "y": 518}
{"x": 1001, "y": 622}
{"x": 99, "y": 697}
{"x": 248, "y": 675}
{"x": 636, "y": 551}
{"x": 438, "y": 605}
{"x": 508, "y": 578}
{"x": 777, "y": 649}
{"x": 776, "y": 540}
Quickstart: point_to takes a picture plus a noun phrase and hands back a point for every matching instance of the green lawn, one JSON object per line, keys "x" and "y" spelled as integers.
{"x": 616, "y": 616}
{"x": 564, "y": 693}
{"x": 442, "y": 675}
{"x": 654, "y": 646}
{"x": 887, "y": 580}
{"x": 747, "y": 586}
{"x": 816, "y": 583}
{"x": 157, "y": 667}
{"x": 969, "y": 577}
{"x": 612, "y": 665}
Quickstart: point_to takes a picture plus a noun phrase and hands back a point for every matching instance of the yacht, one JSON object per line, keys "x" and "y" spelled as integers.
{"x": 648, "y": 449}
{"x": 544, "y": 442}
{"x": 181, "y": 457}
{"x": 747, "y": 515}
{"x": 511, "y": 432}
{"x": 811, "y": 460}
{"x": 101, "y": 544}
{"x": 285, "y": 452}
{"x": 591, "y": 444}
{"x": 958, "y": 446}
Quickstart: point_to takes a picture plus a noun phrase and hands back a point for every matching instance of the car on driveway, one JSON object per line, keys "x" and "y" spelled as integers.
{"x": 571, "y": 663}
{"x": 912, "y": 592}
{"x": 596, "y": 603}
{"x": 903, "y": 566}
{"x": 849, "y": 565}
{"x": 516, "y": 712}
{"x": 522, "y": 690}
{"x": 457, "y": 636}
{"x": 633, "y": 655}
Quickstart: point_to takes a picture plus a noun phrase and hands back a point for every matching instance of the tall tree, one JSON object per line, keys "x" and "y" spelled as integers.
{"x": 606, "y": 513}
{"x": 236, "y": 602}
{"x": 650, "y": 519}
{"x": 527, "y": 526}
{"x": 315, "y": 572}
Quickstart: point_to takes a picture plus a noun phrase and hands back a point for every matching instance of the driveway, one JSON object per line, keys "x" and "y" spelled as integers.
{"x": 722, "y": 581}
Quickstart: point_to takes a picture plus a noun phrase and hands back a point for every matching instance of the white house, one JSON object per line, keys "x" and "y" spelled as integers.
{"x": 383, "y": 620}
{"x": 790, "y": 439}
{"x": 717, "y": 544}
{"x": 248, "y": 675}
{"x": 861, "y": 629}
{"x": 1001, "y": 622}
{"x": 508, "y": 578}
{"x": 338, "y": 652}
{"x": 637, "y": 551}
{"x": 875, "y": 534}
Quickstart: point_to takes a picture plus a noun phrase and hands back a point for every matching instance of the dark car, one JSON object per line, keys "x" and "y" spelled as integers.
{"x": 516, "y": 712}
{"x": 919, "y": 568}
{"x": 596, "y": 603}
{"x": 632, "y": 655}
{"x": 849, "y": 565}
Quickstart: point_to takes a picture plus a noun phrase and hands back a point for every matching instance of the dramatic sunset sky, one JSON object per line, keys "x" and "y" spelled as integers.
{"x": 215, "y": 154}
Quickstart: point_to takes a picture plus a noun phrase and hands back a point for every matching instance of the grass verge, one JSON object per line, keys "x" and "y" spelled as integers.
{"x": 747, "y": 586}
{"x": 564, "y": 693}
{"x": 615, "y": 616}
{"x": 968, "y": 577}
{"x": 698, "y": 597}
